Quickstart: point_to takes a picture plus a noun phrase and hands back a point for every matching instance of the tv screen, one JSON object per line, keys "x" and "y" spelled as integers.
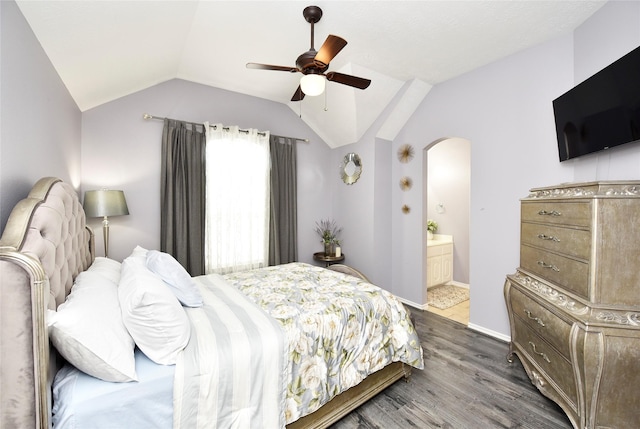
{"x": 601, "y": 112}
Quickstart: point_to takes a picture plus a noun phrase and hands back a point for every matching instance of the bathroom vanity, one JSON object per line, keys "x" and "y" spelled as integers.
{"x": 439, "y": 260}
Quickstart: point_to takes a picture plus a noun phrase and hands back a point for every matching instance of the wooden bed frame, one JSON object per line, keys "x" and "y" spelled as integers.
{"x": 44, "y": 246}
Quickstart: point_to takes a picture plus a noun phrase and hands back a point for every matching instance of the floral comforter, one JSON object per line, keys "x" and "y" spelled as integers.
{"x": 339, "y": 329}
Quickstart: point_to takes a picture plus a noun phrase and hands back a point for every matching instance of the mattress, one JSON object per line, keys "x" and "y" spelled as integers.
{"x": 92, "y": 403}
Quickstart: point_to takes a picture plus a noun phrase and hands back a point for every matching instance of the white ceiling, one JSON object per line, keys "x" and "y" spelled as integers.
{"x": 104, "y": 50}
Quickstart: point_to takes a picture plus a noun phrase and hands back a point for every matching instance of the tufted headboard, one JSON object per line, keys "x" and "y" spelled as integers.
{"x": 44, "y": 246}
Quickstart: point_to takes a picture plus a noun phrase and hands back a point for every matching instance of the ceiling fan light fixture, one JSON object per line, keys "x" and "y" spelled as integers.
{"x": 312, "y": 84}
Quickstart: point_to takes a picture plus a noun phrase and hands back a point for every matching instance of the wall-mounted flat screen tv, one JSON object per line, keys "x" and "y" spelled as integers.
{"x": 601, "y": 112}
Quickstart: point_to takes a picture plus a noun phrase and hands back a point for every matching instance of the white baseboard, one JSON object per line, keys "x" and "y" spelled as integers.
{"x": 472, "y": 326}
{"x": 412, "y": 304}
{"x": 458, "y": 284}
{"x": 489, "y": 332}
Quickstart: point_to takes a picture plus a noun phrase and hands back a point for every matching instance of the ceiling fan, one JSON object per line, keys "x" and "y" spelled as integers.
{"x": 313, "y": 64}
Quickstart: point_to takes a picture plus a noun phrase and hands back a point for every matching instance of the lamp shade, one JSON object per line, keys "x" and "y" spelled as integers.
{"x": 312, "y": 84}
{"x": 105, "y": 203}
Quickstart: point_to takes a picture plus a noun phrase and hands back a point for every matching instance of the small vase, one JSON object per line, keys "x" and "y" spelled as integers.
{"x": 327, "y": 249}
{"x": 429, "y": 235}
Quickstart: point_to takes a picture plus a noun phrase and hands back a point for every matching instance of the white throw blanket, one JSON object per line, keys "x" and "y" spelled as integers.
{"x": 231, "y": 374}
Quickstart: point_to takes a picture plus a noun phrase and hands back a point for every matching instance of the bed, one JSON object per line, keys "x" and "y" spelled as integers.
{"x": 46, "y": 249}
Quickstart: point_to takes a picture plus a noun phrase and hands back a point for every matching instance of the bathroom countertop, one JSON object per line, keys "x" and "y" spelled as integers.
{"x": 439, "y": 239}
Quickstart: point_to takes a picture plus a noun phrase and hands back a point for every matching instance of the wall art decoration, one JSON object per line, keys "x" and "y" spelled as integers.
{"x": 406, "y": 183}
{"x": 351, "y": 168}
{"x": 406, "y": 209}
{"x": 405, "y": 153}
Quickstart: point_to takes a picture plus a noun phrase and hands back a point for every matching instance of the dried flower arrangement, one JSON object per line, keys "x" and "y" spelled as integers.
{"x": 328, "y": 231}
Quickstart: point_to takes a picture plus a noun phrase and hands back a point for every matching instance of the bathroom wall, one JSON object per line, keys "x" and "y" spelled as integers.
{"x": 448, "y": 177}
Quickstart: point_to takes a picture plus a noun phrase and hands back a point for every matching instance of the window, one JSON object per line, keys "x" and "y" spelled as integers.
{"x": 237, "y": 200}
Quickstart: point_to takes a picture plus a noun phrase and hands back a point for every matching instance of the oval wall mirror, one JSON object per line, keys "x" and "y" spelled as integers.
{"x": 351, "y": 168}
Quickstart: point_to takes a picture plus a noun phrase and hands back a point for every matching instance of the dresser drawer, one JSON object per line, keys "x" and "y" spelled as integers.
{"x": 573, "y": 242}
{"x": 568, "y": 273}
{"x": 562, "y": 213}
{"x": 546, "y": 358}
{"x": 551, "y": 327}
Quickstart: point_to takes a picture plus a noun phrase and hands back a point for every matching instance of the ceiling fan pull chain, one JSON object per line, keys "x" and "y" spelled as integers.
{"x": 325, "y": 100}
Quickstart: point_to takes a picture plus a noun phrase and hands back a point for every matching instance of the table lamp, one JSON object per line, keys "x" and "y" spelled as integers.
{"x": 105, "y": 203}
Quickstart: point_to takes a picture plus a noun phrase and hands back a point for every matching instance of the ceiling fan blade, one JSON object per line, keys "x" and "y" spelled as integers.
{"x": 330, "y": 49}
{"x": 298, "y": 95}
{"x": 270, "y": 67}
{"x": 347, "y": 79}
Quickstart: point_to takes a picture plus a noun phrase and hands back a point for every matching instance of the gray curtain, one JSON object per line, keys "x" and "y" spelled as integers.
{"x": 182, "y": 200}
{"x": 283, "y": 219}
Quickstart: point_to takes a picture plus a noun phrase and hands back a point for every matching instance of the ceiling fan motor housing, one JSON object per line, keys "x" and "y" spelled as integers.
{"x": 306, "y": 63}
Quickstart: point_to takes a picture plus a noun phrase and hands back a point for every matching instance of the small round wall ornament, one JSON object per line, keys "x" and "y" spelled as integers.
{"x": 405, "y": 153}
{"x": 406, "y": 209}
{"x": 406, "y": 183}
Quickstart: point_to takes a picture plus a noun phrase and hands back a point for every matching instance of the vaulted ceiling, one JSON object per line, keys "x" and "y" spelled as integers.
{"x": 104, "y": 50}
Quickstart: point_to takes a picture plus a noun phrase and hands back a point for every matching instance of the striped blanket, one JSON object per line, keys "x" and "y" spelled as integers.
{"x": 230, "y": 375}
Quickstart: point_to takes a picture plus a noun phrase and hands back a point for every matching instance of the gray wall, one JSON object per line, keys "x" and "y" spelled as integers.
{"x": 353, "y": 208}
{"x": 364, "y": 209}
{"x": 39, "y": 121}
{"x": 611, "y": 33}
{"x": 121, "y": 150}
{"x": 504, "y": 109}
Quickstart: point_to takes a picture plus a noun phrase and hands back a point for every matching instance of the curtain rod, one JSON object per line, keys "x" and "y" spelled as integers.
{"x": 148, "y": 116}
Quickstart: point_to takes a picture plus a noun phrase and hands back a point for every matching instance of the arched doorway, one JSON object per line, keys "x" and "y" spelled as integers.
{"x": 446, "y": 200}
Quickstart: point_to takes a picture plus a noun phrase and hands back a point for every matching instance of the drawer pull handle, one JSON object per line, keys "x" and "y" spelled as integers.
{"x": 551, "y": 213}
{"x": 544, "y": 356}
{"x": 537, "y": 319}
{"x": 545, "y": 265}
{"x": 548, "y": 237}
{"x": 538, "y": 380}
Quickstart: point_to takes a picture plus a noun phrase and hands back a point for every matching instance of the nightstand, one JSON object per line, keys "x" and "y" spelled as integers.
{"x": 327, "y": 259}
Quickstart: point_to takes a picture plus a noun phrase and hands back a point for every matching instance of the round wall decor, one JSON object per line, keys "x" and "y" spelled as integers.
{"x": 405, "y": 153}
{"x": 406, "y": 183}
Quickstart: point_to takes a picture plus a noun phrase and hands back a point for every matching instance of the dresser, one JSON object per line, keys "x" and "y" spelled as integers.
{"x": 574, "y": 301}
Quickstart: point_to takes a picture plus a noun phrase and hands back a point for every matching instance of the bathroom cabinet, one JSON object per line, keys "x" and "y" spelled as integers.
{"x": 574, "y": 301}
{"x": 439, "y": 260}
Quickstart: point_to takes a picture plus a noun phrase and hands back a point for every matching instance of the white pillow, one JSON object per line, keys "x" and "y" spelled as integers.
{"x": 174, "y": 274}
{"x": 106, "y": 267}
{"x": 139, "y": 253}
{"x": 152, "y": 314}
{"x": 87, "y": 330}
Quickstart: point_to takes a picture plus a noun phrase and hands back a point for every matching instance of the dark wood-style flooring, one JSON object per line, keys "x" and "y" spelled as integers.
{"x": 467, "y": 383}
